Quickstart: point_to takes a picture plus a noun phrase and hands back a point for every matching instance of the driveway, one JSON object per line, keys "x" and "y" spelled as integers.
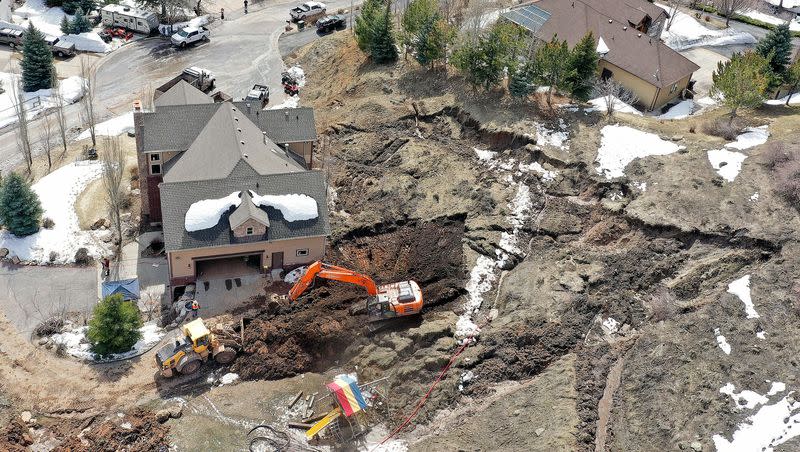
{"x": 31, "y": 294}
{"x": 707, "y": 59}
{"x": 243, "y": 51}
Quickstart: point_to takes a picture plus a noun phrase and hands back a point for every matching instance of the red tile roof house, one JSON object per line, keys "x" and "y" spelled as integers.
{"x": 627, "y": 34}
{"x": 232, "y": 185}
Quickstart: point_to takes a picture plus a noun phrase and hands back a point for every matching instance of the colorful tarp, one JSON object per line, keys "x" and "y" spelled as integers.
{"x": 345, "y": 388}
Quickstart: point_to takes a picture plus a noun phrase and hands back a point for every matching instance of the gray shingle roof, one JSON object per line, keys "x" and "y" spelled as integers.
{"x": 227, "y": 139}
{"x": 286, "y": 125}
{"x": 246, "y": 211}
{"x": 176, "y": 198}
{"x": 183, "y": 93}
{"x": 175, "y": 127}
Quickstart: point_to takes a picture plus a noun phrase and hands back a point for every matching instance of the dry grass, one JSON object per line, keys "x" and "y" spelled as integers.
{"x": 663, "y": 305}
{"x": 723, "y": 128}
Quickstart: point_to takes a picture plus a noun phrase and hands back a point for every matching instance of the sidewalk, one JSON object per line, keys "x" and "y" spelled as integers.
{"x": 152, "y": 273}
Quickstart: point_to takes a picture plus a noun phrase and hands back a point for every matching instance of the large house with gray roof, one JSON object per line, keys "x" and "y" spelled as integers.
{"x": 231, "y": 185}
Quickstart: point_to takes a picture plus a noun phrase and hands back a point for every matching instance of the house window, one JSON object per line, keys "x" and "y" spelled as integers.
{"x": 302, "y": 252}
{"x": 155, "y": 169}
{"x": 249, "y": 230}
{"x": 155, "y": 157}
{"x": 673, "y": 88}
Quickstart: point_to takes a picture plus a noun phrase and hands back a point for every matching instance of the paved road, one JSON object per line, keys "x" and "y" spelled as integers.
{"x": 243, "y": 51}
{"x": 29, "y": 295}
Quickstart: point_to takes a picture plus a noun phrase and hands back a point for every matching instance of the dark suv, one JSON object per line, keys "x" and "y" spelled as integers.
{"x": 331, "y": 23}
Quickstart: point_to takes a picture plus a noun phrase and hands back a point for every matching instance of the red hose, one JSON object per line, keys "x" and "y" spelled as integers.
{"x": 467, "y": 342}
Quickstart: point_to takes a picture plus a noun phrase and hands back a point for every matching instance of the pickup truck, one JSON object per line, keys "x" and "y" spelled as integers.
{"x": 11, "y": 37}
{"x": 259, "y": 94}
{"x": 60, "y": 48}
{"x": 307, "y": 10}
{"x": 190, "y": 35}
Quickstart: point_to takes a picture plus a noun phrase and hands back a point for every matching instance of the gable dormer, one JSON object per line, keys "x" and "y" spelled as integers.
{"x": 248, "y": 221}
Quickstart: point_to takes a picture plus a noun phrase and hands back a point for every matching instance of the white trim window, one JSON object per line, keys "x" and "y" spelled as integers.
{"x": 301, "y": 252}
{"x": 249, "y": 230}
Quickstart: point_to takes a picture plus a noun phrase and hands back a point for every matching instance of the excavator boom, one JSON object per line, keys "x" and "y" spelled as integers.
{"x": 333, "y": 272}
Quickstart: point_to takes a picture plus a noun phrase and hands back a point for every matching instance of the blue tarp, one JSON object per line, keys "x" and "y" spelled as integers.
{"x": 129, "y": 288}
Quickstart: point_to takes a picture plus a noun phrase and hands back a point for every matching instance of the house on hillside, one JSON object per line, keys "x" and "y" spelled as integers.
{"x": 231, "y": 185}
{"x": 628, "y": 43}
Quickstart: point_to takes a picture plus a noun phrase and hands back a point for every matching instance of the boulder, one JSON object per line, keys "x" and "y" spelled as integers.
{"x": 696, "y": 446}
{"x": 175, "y": 411}
{"x": 26, "y": 416}
{"x": 3, "y": 253}
{"x": 99, "y": 223}
{"x": 163, "y": 415}
{"x": 15, "y": 260}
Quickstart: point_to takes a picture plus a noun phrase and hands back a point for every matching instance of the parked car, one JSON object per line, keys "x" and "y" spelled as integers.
{"x": 259, "y": 94}
{"x": 331, "y": 23}
{"x": 307, "y": 10}
{"x": 60, "y": 48}
{"x": 11, "y": 37}
{"x": 190, "y": 35}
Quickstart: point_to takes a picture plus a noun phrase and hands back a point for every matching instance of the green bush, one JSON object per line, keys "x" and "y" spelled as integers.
{"x": 114, "y": 327}
{"x": 20, "y": 209}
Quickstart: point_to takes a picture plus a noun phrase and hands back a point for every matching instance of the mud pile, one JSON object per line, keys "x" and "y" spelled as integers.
{"x": 311, "y": 333}
{"x": 15, "y": 437}
{"x": 142, "y": 432}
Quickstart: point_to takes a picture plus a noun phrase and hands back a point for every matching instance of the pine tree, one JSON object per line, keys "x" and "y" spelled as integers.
{"x": 520, "y": 83}
{"x": 383, "y": 48}
{"x": 20, "y": 209}
{"x": 114, "y": 326}
{"x": 793, "y": 79}
{"x": 87, "y": 5}
{"x": 80, "y": 24}
{"x": 553, "y": 66}
{"x": 37, "y": 61}
{"x": 583, "y": 67}
{"x": 776, "y": 47}
{"x": 432, "y": 41}
{"x": 742, "y": 81}
{"x": 415, "y": 16}
{"x": 484, "y": 59}
{"x": 371, "y": 13}
{"x": 66, "y": 26}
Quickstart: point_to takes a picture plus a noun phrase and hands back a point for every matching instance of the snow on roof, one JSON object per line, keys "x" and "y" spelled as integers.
{"x": 127, "y": 10}
{"x": 294, "y": 207}
{"x": 620, "y": 145}
{"x": 602, "y": 48}
{"x": 312, "y": 4}
{"x": 205, "y": 214}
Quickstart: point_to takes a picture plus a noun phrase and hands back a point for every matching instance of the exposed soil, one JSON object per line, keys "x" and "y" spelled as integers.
{"x": 140, "y": 432}
{"x": 309, "y": 334}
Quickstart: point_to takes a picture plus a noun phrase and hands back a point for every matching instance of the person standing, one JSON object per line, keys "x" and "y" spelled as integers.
{"x": 195, "y": 309}
{"x": 245, "y": 6}
{"x": 222, "y": 13}
{"x": 106, "y": 267}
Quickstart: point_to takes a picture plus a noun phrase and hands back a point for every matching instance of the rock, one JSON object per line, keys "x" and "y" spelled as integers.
{"x": 26, "y": 416}
{"x": 3, "y": 252}
{"x": 677, "y": 138}
{"x": 539, "y": 431}
{"x": 98, "y": 224}
{"x": 15, "y": 260}
{"x": 163, "y": 415}
{"x": 43, "y": 341}
{"x": 26, "y": 438}
{"x": 175, "y": 411}
{"x": 696, "y": 446}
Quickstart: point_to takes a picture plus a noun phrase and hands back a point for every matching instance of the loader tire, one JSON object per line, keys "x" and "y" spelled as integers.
{"x": 225, "y": 356}
{"x": 189, "y": 365}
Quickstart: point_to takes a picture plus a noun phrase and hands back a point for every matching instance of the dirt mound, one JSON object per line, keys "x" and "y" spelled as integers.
{"x": 310, "y": 333}
{"x": 140, "y": 432}
{"x": 15, "y": 437}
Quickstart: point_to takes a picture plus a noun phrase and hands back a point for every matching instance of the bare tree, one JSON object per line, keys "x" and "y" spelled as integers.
{"x": 88, "y": 113}
{"x": 113, "y": 172}
{"x": 60, "y": 117}
{"x": 22, "y": 131}
{"x": 46, "y": 131}
{"x": 729, "y": 7}
{"x": 672, "y": 11}
{"x": 614, "y": 94}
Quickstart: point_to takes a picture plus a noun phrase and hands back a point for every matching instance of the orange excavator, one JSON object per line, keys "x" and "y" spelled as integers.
{"x": 385, "y": 302}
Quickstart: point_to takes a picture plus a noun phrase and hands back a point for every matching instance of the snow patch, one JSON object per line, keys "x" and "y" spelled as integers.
{"x": 754, "y": 197}
{"x": 686, "y": 32}
{"x": 484, "y": 155}
{"x": 795, "y": 100}
{"x": 620, "y": 145}
{"x": 294, "y": 207}
{"x": 641, "y": 186}
{"x": 680, "y": 110}
{"x": 741, "y": 288}
{"x": 57, "y": 193}
{"x": 761, "y": 334}
{"x": 726, "y": 163}
{"x": 228, "y": 379}
{"x": 111, "y": 128}
{"x": 36, "y": 102}
{"x": 555, "y": 138}
{"x": 745, "y": 399}
{"x": 205, "y": 213}
{"x": 295, "y": 275}
{"x": 752, "y": 136}
{"x": 536, "y": 167}
{"x": 601, "y": 104}
{"x": 764, "y": 17}
{"x": 722, "y": 342}
{"x": 76, "y": 344}
{"x": 771, "y": 426}
{"x": 290, "y": 102}
{"x": 88, "y": 42}
{"x": 611, "y": 325}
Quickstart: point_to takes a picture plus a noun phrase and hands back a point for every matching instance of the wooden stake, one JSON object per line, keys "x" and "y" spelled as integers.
{"x": 295, "y": 399}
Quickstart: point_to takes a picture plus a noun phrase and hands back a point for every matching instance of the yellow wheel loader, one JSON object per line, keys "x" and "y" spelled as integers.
{"x": 187, "y": 353}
